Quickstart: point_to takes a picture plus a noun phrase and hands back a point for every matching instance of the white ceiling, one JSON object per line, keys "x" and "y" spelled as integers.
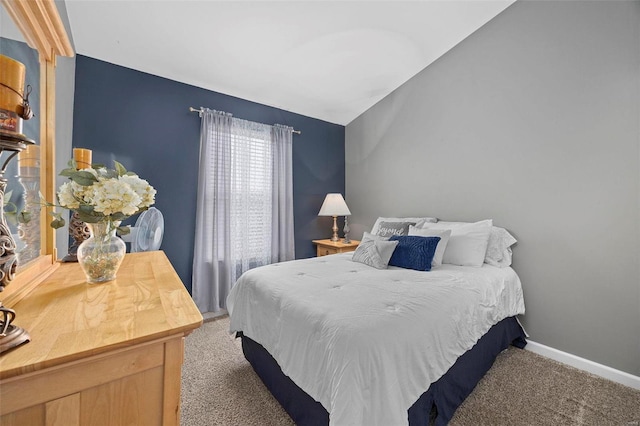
{"x": 330, "y": 60}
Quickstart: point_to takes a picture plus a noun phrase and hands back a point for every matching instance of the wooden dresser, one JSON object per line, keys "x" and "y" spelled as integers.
{"x": 100, "y": 354}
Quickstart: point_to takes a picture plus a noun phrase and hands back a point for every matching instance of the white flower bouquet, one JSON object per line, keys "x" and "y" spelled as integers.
{"x": 98, "y": 194}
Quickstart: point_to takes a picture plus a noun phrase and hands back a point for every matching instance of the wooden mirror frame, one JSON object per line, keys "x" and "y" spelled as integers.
{"x": 41, "y": 26}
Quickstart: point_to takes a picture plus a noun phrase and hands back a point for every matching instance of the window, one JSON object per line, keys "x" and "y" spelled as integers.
{"x": 251, "y": 194}
{"x": 244, "y": 217}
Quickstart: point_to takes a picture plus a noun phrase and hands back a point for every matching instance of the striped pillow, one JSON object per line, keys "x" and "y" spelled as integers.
{"x": 374, "y": 251}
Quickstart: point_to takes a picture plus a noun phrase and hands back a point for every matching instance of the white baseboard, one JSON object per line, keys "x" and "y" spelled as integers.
{"x": 584, "y": 364}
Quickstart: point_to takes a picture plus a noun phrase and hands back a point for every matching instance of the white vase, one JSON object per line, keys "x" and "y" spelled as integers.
{"x": 101, "y": 255}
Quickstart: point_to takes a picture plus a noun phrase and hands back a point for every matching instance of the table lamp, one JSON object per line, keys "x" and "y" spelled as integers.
{"x": 334, "y": 205}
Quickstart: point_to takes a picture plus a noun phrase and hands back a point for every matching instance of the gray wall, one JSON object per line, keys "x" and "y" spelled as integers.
{"x": 65, "y": 82}
{"x": 532, "y": 121}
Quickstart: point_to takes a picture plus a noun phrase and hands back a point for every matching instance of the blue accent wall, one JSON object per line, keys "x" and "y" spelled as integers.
{"x": 143, "y": 121}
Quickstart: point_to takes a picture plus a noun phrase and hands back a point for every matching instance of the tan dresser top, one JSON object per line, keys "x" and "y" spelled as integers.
{"x": 69, "y": 319}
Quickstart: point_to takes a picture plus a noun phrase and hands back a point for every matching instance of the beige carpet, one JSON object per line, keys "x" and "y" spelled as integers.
{"x": 219, "y": 387}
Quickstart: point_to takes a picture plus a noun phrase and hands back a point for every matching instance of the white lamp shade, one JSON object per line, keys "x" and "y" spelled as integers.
{"x": 334, "y": 205}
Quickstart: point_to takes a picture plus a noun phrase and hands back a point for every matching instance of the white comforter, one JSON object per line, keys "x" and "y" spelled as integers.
{"x": 366, "y": 343}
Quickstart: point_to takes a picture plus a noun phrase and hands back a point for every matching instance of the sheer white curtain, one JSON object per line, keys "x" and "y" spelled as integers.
{"x": 282, "y": 241}
{"x": 244, "y": 214}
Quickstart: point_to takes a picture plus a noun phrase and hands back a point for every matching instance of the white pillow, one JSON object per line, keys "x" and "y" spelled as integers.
{"x": 444, "y": 235}
{"x": 419, "y": 221}
{"x": 499, "y": 247}
{"x": 468, "y": 242}
{"x": 452, "y": 225}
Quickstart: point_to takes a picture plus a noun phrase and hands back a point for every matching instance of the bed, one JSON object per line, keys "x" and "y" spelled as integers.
{"x": 342, "y": 343}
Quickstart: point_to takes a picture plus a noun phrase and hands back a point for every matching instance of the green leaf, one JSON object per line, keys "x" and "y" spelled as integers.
{"x": 68, "y": 172}
{"x": 84, "y": 178}
{"x": 58, "y": 221}
{"x": 11, "y": 217}
{"x": 123, "y": 230}
{"x": 56, "y": 224}
{"x": 96, "y": 166}
{"x": 110, "y": 174}
{"x": 119, "y": 216}
{"x": 87, "y": 214}
{"x": 7, "y": 198}
{"x": 89, "y": 218}
{"x": 9, "y": 207}
{"x": 86, "y": 208}
{"x": 120, "y": 168}
{"x": 24, "y": 217}
{"x": 44, "y": 202}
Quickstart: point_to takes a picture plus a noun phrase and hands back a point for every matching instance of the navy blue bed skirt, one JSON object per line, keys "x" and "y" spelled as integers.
{"x": 436, "y": 406}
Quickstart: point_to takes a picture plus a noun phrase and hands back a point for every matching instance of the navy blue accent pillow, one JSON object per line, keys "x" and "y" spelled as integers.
{"x": 413, "y": 252}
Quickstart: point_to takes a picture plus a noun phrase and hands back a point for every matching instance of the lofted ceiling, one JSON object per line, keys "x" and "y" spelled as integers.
{"x": 330, "y": 60}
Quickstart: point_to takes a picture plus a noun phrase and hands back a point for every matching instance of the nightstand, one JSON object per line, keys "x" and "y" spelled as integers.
{"x": 326, "y": 247}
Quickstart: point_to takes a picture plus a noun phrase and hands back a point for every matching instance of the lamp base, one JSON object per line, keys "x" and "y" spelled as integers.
{"x": 335, "y": 238}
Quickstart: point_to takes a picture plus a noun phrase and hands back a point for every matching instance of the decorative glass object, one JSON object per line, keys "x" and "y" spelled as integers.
{"x": 346, "y": 231}
{"x": 101, "y": 255}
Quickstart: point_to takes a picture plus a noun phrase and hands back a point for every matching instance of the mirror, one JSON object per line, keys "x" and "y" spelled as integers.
{"x": 23, "y": 173}
{"x": 38, "y": 23}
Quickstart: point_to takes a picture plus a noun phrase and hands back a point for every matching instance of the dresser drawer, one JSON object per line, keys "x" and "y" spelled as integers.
{"x": 327, "y": 247}
{"x": 324, "y": 251}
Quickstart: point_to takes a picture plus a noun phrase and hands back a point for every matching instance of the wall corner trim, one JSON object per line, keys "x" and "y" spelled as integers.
{"x": 585, "y": 364}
